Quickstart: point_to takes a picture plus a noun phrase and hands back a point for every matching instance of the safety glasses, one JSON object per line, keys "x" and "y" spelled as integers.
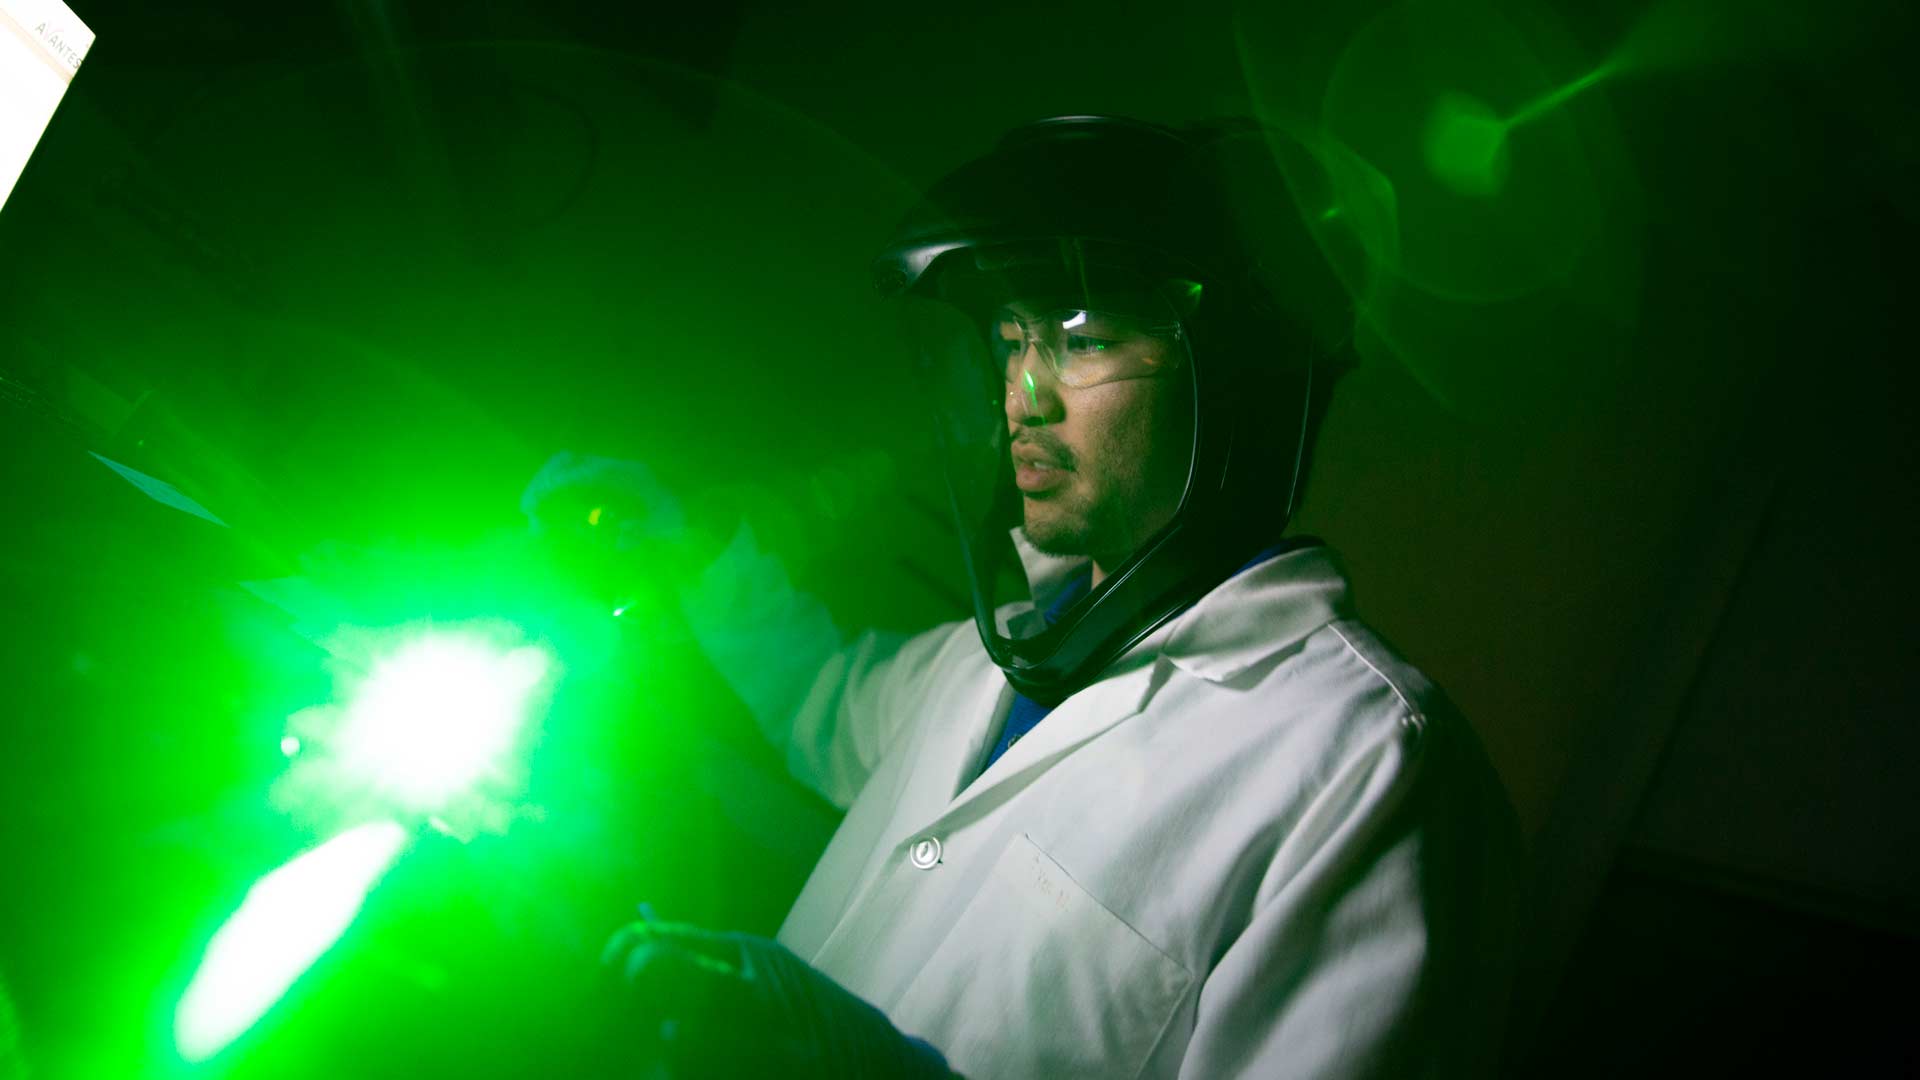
{"x": 1080, "y": 347}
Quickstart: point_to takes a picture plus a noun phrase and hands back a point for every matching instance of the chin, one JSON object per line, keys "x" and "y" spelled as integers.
{"x": 1056, "y": 537}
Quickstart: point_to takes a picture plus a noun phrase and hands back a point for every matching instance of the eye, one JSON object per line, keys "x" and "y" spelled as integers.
{"x": 1083, "y": 344}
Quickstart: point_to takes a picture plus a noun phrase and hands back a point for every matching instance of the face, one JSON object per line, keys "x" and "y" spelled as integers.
{"x": 1101, "y": 465}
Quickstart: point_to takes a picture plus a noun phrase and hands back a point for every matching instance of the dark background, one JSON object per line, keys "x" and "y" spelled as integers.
{"x": 348, "y": 272}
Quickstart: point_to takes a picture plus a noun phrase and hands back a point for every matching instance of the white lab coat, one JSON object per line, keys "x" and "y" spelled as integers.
{"x": 1260, "y": 845}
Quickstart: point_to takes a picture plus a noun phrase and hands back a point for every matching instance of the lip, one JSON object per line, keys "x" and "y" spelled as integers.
{"x": 1035, "y": 471}
{"x": 1034, "y": 479}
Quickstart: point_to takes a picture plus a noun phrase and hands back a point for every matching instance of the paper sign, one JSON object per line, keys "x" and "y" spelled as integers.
{"x": 41, "y": 47}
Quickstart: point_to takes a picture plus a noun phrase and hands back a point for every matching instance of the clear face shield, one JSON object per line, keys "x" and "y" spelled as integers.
{"x": 1063, "y": 390}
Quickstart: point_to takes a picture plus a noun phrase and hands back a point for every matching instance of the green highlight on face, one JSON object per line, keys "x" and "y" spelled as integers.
{"x": 1033, "y": 396}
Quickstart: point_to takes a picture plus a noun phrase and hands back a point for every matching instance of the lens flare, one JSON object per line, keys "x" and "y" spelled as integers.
{"x": 1466, "y": 141}
{"x": 288, "y": 920}
{"x": 1466, "y": 144}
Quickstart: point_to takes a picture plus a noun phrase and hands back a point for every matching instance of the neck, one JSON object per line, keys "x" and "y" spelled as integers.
{"x": 1100, "y": 567}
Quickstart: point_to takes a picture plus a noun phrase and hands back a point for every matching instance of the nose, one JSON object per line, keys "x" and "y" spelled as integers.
{"x": 1033, "y": 397}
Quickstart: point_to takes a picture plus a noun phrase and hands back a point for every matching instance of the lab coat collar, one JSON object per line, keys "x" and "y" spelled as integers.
{"x": 1250, "y": 616}
{"x": 1257, "y": 613}
{"x": 1246, "y": 618}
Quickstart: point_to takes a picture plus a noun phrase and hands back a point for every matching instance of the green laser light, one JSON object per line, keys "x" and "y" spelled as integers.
{"x": 436, "y": 715}
{"x": 288, "y": 920}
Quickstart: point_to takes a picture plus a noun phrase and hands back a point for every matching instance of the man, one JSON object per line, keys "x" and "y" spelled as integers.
{"x": 1165, "y": 808}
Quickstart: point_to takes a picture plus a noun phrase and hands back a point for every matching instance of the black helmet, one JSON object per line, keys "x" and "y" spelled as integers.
{"x": 1170, "y": 233}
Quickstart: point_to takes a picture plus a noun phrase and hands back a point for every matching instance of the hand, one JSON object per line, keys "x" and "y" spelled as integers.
{"x": 715, "y": 1004}
{"x": 579, "y": 494}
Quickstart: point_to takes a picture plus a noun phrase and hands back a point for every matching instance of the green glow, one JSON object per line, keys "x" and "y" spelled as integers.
{"x": 1466, "y": 141}
{"x": 1559, "y": 96}
{"x": 288, "y": 920}
{"x": 1466, "y": 145}
{"x": 13, "y": 1059}
{"x": 1449, "y": 156}
{"x": 290, "y": 745}
{"x": 1033, "y": 397}
{"x": 1365, "y": 201}
{"x": 437, "y": 715}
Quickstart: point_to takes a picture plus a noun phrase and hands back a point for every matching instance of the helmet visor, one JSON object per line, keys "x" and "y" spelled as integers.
{"x": 1062, "y": 390}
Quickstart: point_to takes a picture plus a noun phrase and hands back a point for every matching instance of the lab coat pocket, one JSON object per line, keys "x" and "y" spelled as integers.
{"x": 1038, "y": 978}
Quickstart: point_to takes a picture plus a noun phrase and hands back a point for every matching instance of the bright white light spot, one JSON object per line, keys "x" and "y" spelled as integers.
{"x": 437, "y": 715}
{"x": 290, "y": 745}
{"x": 1079, "y": 317}
{"x": 287, "y": 921}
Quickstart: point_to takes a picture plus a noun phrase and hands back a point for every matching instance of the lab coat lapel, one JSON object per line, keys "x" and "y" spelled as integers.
{"x": 958, "y": 750}
{"x": 1078, "y": 719}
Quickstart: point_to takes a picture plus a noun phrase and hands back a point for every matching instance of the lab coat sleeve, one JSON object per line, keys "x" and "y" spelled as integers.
{"x": 1377, "y": 947}
{"x": 832, "y": 709}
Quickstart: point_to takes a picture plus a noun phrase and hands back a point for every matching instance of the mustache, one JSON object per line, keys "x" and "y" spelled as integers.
{"x": 1044, "y": 445}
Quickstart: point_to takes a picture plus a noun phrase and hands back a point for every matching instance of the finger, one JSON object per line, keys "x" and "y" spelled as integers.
{"x": 617, "y": 946}
{"x": 634, "y": 967}
{"x": 649, "y": 932}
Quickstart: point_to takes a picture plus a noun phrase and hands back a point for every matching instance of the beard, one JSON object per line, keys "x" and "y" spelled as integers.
{"x": 1068, "y": 525}
{"x": 1054, "y": 532}
{"x": 1118, "y": 490}
{"x": 1106, "y": 518}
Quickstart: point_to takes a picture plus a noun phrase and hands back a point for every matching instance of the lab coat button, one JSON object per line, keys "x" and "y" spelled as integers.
{"x": 925, "y": 853}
